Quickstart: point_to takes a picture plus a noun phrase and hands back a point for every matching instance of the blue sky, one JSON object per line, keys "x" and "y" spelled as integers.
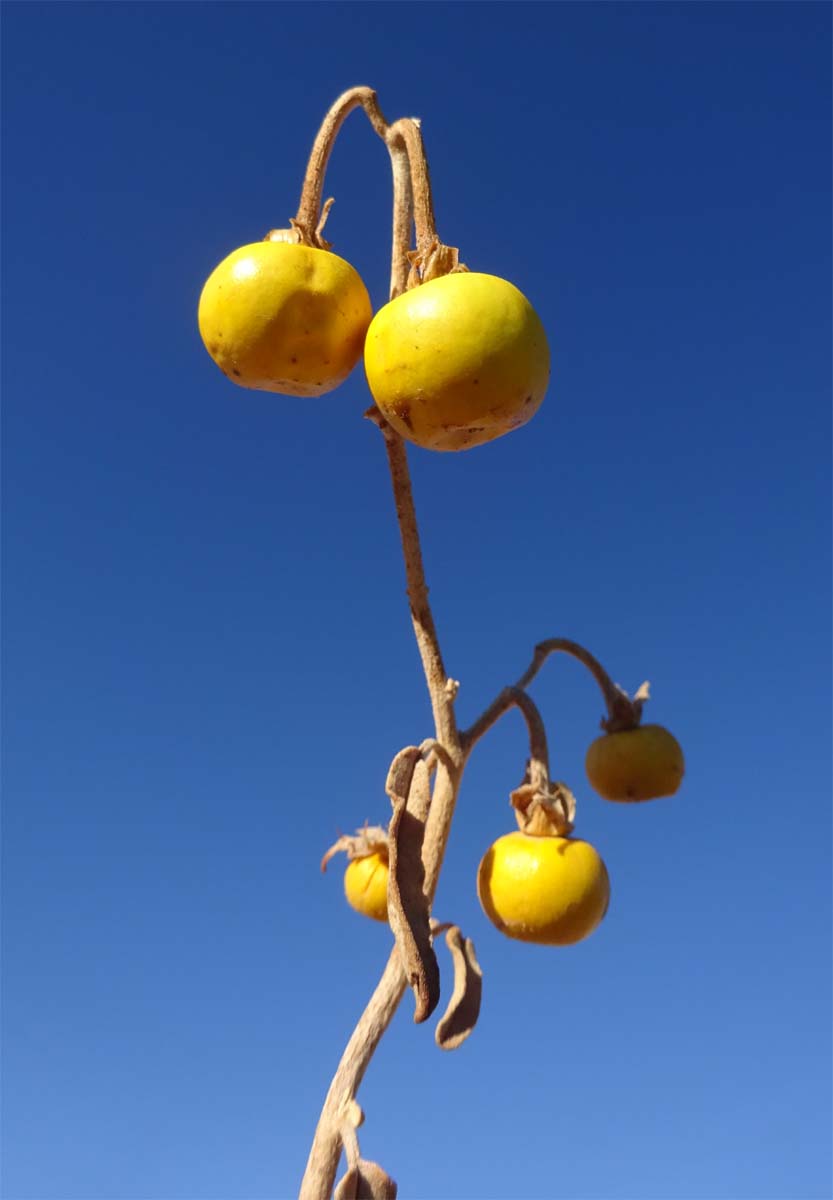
{"x": 208, "y": 659}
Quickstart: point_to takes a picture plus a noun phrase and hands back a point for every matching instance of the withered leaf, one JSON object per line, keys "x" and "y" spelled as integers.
{"x": 365, "y": 1181}
{"x": 460, "y": 1018}
{"x": 408, "y": 908}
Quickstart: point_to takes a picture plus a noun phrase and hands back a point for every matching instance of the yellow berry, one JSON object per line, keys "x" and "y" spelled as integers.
{"x": 284, "y": 318}
{"x": 635, "y": 764}
{"x": 366, "y": 885}
{"x": 458, "y": 361}
{"x": 549, "y": 890}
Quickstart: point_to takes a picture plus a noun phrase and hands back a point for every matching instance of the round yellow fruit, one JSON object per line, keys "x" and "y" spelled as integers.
{"x": 549, "y": 890}
{"x": 458, "y": 361}
{"x": 284, "y": 318}
{"x": 635, "y": 764}
{"x": 366, "y": 885}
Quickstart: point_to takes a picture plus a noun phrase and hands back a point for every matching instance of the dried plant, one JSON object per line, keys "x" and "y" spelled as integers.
{"x": 424, "y": 780}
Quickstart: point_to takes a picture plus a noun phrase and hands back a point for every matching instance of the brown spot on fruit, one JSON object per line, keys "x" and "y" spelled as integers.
{"x": 404, "y": 414}
{"x": 236, "y": 372}
{"x": 293, "y": 359}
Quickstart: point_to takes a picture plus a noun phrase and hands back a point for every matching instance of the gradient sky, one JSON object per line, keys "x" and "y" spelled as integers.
{"x": 208, "y": 658}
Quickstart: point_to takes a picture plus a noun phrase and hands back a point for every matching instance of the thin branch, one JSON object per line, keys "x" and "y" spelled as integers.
{"x": 408, "y": 129}
{"x": 623, "y": 713}
{"x": 309, "y": 209}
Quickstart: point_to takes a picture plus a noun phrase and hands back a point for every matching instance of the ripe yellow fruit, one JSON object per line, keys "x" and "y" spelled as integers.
{"x": 458, "y": 361}
{"x": 549, "y": 890}
{"x": 284, "y": 318}
{"x": 366, "y": 884}
{"x": 635, "y": 764}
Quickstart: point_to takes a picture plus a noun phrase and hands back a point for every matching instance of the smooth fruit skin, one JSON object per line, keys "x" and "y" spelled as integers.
{"x": 366, "y": 885}
{"x": 284, "y": 318}
{"x": 549, "y": 890}
{"x": 458, "y": 361}
{"x": 635, "y": 764}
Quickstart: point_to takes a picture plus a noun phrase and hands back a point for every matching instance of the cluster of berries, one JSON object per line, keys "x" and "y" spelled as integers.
{"x": 451, "y": 364}
{"x": 535, "y": 884}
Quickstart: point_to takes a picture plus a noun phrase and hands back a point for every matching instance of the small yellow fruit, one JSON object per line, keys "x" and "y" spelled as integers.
{"x": 458, "y": 361}
{"x": 549, "y": 890}
{"x": 366, "y": 885}
{"x": 284, "y": 318}
{"x": 635, "y": 764}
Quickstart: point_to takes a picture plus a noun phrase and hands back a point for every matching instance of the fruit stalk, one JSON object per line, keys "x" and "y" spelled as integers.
{"x": 623, "y": 712}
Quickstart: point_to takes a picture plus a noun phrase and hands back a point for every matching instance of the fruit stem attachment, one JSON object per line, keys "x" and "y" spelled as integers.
{"x": 623, "y": 712}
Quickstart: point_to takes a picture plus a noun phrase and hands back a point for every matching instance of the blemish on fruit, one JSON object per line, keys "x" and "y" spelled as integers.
{"x": 404, "y": 414}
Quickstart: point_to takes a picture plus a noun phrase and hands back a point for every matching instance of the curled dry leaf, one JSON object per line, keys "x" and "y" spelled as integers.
{"x": 365, "y": 1181}
{"x": 460, "y": 1018}
{"x": 408, "y": 909}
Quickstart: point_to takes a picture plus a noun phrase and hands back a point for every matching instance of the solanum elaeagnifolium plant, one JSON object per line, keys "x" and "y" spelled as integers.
{"x": 455, "y": 359}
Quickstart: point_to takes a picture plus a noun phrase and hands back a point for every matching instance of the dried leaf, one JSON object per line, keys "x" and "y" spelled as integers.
{"x": 460, "y": 1018}
{"x": 365, "y": 1181}
{"x": 409, "y": 788}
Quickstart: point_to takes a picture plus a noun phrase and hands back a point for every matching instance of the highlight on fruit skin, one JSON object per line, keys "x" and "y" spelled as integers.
{"x": 633, "y": 765}
{"x": 282, "y": 317}
{"x": 553, "y": 891}
{"x": 367, "y": 872}
{"x": 457, "y": 361}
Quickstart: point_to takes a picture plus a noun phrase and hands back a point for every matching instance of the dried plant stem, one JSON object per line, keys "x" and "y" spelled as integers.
{"x": 404, "y": 143}
{"x": 412, "y": 198}
{"x": 326, "y": 1148}
{"x": 623, "y": 713}
{"x": 322, "y": 1164}
{"x": 539, "y": 758}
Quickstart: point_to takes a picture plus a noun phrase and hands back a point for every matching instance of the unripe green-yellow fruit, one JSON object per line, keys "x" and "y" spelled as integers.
{"x": 457, "y": 361}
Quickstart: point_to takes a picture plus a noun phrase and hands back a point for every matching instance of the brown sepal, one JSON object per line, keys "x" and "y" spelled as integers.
{"x": 408, "y": 909}
{"x": 460, "y": 1018}
{"x": 438, "y": 260}
{"x": 624, "y": 711}
{"x": 370, "y": 839}
{"x": 544, "y": 813}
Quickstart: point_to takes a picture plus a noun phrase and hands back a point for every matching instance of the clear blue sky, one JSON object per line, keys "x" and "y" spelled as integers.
{"x": 208, "y": 657}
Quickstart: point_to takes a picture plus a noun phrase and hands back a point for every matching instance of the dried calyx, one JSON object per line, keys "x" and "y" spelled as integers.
{"x": 623, "y": 711}
{"x": 544, "y": 810}
{"x": 370, "y": 839}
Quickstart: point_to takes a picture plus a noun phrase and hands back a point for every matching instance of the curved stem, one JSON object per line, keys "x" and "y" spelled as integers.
{"x": 407, "y": 128}
{"x": 402, "y": 213}
{"x": 623, "y": 713}
{"x": 539, "y": 758}
{"x": 309, "y": 208}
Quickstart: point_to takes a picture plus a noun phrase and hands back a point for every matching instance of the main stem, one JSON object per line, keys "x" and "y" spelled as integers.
{"x": 411, "y": 192}
{"x": 322, "y": 1164}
